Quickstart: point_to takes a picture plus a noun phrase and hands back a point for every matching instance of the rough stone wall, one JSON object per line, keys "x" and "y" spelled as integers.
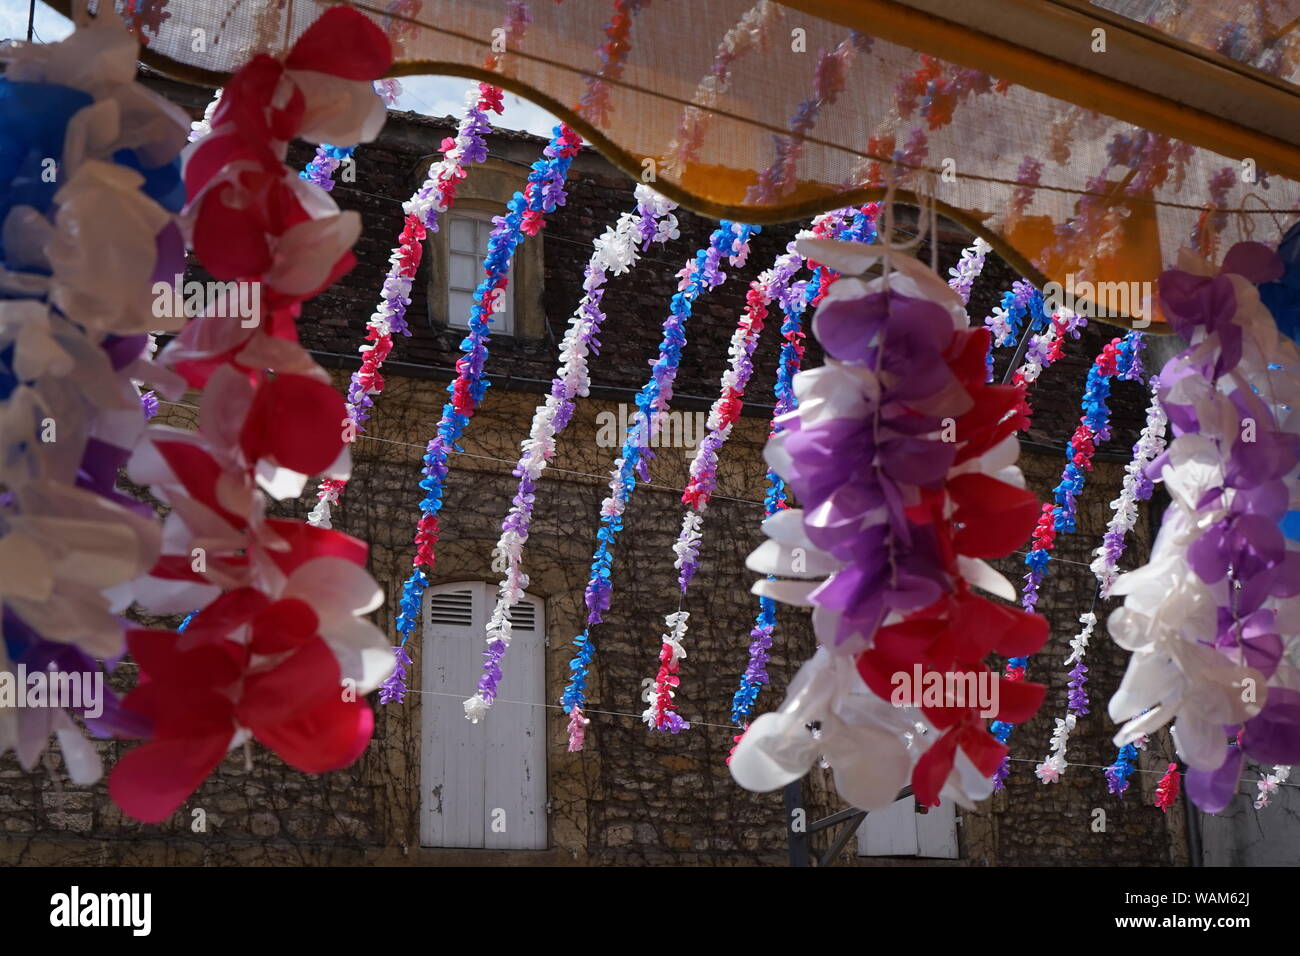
{"x": 632, "y": 797}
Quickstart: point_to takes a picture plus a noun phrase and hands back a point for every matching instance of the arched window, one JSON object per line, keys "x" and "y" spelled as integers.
{"x": 482, "y": 785}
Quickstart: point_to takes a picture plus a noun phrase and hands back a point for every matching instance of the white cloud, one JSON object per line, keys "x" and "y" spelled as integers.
{"x": 445, "y": 95}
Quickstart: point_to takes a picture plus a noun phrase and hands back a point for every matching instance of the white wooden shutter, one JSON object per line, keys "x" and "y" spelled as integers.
{"x": 898, "y": 830}
{"x": 484, "y": 784}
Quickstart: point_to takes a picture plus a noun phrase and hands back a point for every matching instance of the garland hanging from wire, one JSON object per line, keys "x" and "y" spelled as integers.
{"x": 543, "y": 192}
{"x": 1117, "y": 359}
{"x": 1212, "y": 611}
{"x": 435, "y": 196}
{"x": 847, "y": 224}
{"x": 80, "y": 254}
{"x": 1022, "y": 301}
{"x": 1055, "y": 763}
{"x": 659, "y": 691}
{"x": 829, "y": 79}
{"x": 616, "y": 252}
{"x": 1137, "y": 486}
{"x": 701, "y": 274}
{"x": 280, "y": 624}
{"x": 892, "y": 541}
{"x": 968, "y": 269}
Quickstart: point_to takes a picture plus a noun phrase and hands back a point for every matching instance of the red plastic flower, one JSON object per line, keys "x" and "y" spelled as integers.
{"x": 280, "y": 683}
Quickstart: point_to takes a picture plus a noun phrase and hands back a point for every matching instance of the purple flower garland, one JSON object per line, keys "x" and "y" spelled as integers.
{"x": 615, "y": 251}
{"x": 857, "y": 225}
{"x": 543, "y": 192}
{"x": 1206, "y": 617}
{"x": 701, "y": 274}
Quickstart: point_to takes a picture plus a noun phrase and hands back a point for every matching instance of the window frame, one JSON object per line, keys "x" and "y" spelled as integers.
{"x": 503, "y": 322}
{"x": 484, "y": 193}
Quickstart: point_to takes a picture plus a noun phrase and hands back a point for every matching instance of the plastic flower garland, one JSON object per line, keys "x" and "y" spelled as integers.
{"x": 1004, "y": 323}
{"x": 1136, "y": 487}
{"x": 1118, "y": 773}
{"x": 1118, "y": 358}
{"x": 891, "y": 541}
{"x": 435, "y": 196}
{"x": 828, "y": 84}
{"x": 968, "y": 269}
{"x": 543, "y": 192}
{"x": 849, "y": 224}
{"x": 1268, "y": 785}
{"x": 750, "y": 33}
{"x": 201, "y": 127}
{"x": 1047, "y": 347}
{"x": 703, "y": 476}
{"x": 1167, "y": 789}
{"x": 1212, "y": 619}
{"x": 323, "y": 165}
{"x": 278, "y": 650}
{"x": 699, "y": 275}
{"x": 612, "y": 54}
{"x": 80, "y": 252}
{"x": 616, "y": 251}
{"x": 1055, "y": 763}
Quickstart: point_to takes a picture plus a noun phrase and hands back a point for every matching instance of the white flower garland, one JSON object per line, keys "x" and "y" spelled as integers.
{"x": 968, "y": 269}
{"x": 1150, "y": 445}
{"x": 615, "y": 252}
{"x": 1055, "y": 763}
{"x": 687, "y": 546}
{"x": 1268, "y": 785}
{"x": 202, "y": 127}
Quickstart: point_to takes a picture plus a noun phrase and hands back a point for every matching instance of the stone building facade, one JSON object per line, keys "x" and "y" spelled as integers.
{"x": 632, "y": 797}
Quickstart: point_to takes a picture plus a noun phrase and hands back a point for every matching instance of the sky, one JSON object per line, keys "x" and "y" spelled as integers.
{"x": 431, "y": 95}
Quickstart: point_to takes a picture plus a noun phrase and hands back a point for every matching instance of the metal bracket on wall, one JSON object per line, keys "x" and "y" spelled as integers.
{"x": 800, "y": 832}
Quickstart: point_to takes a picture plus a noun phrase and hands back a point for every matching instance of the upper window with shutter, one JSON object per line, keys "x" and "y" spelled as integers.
{"x": 482, "y": 785}
{"x": 468, "y": 232}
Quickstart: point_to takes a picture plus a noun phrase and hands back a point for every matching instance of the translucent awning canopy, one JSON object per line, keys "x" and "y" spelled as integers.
{"x": 1088, "y": 142}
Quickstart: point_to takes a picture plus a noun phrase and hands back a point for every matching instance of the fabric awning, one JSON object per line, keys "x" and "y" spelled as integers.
{"x": 1082, "y": 157}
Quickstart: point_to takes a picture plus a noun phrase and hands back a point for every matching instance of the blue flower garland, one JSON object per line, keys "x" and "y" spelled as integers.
{"x": 321, "y": 169}
{"x": 700, "y": 275}
{"x": 1021, "y": 301}
{"x": 543, "y": 192}
{"x": 1096, "y": 421}
{"x": 862, "y": 228}
{"x": 1117, "y": 774}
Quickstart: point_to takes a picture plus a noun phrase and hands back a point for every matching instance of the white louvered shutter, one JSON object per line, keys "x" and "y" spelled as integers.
{"x": 482, "y": 785}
